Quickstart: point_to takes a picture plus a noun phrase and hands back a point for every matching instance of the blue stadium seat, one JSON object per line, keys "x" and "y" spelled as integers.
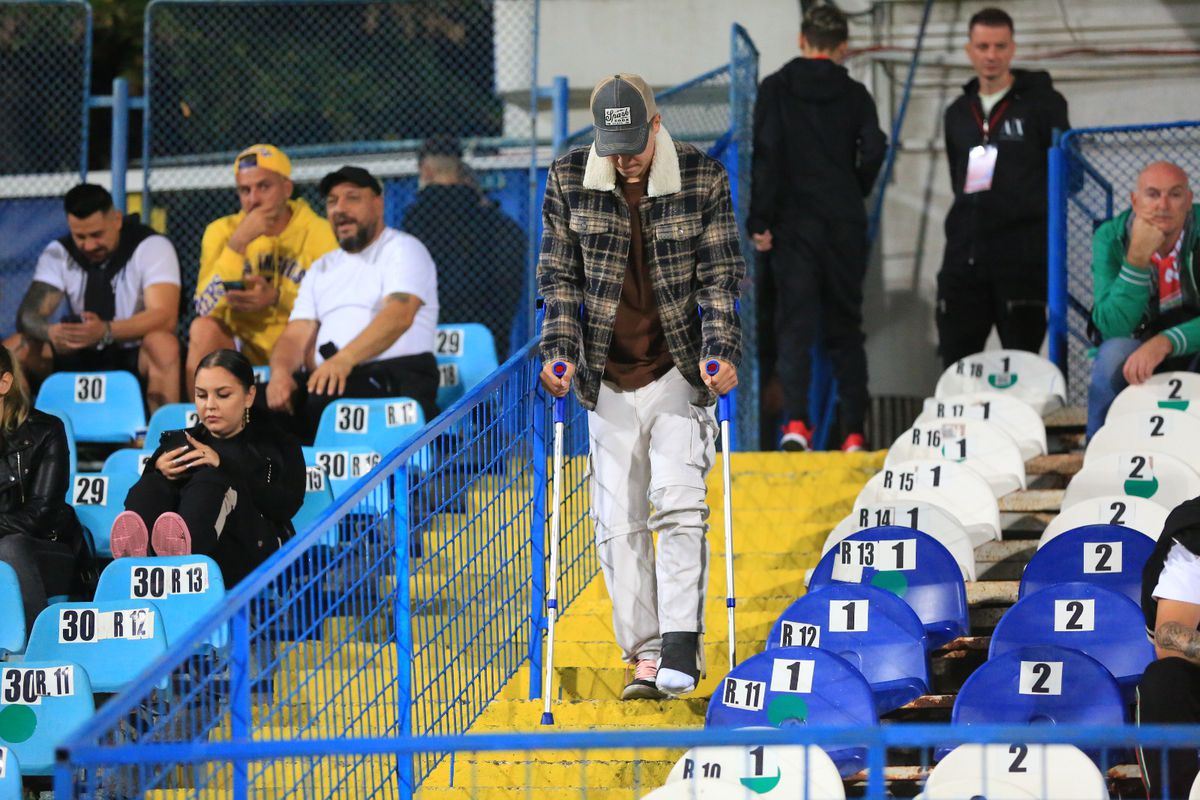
{"x": 112, "y": 639}
{"x": 12, "y": 621}
{"x": 318, "y": 496}
{"x": 98, "y": 497}
{"x": 183, "y": 588}
{"x": 10, "y": 775}
{"x": 1111, "y": 556}
{"x": 343, "y": 466}
{"x": 380, "y": 424}
{"x": 42, "y": 703}
{"x": 466, "y": 354}
{"x": 1106, "y": 625}
{"x": 1043, "y": 684}
{"x": 72, "y": 457}
{"x": 126, "y": 460}
{"x": 917, "y": 568}
{"x": 171, "y": 417}
{"x": 873, "y": 629}
{"x": 104, "y": 407}
{"x": 796, "y": 686}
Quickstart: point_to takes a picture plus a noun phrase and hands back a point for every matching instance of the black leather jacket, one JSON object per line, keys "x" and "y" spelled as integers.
{"x": 34, "y": 473}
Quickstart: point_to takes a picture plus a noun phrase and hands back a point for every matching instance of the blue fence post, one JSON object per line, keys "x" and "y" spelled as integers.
{"x": 1056, "y": 262}
{"x": 402, "y": 610}
{"x": 239, "y": 703}
{"x": 120, "y": 140}
{"x": 537, "y": 540}
{"x": 560, "y": 101}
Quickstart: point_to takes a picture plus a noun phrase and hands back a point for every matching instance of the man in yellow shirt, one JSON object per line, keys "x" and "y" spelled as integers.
{"x": 252, "y": 262}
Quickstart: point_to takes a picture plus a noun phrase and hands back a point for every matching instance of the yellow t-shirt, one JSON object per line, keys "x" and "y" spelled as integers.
{"x": 282, "y": 260}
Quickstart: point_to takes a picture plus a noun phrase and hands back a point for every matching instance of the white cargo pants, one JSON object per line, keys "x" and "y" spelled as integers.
{"x": 652, "y": 447}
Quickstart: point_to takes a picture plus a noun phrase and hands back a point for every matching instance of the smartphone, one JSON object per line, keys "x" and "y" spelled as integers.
{"x": 173, "y": 440}
{"x": 237, "y": 286}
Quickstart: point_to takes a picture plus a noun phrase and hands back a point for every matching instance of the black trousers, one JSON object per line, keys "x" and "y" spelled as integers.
{"x": 818, "y": 269}
{"x": 1170, "y": 694}
{"x": 407, "y": 376}
{"x": 44, "y": 569}
{"x": 971, "y": 299}
{"x": 238, "y": 541}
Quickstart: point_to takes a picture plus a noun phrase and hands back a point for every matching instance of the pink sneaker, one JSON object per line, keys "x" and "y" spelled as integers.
{"x": 171, "y": 536}
{"x": 641, "y": 685}
{"x": 128, "y": 536}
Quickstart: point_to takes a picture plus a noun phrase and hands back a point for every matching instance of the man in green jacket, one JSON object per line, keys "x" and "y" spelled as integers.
{"x": 1147, "y": 305}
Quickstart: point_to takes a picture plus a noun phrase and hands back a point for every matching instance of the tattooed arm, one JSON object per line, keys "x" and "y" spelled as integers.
{"x": 36, "y": 307}
{"x": 1175, "y": 632}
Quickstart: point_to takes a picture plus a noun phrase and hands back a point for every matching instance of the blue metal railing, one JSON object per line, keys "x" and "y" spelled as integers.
{"x": 403, "y": 610}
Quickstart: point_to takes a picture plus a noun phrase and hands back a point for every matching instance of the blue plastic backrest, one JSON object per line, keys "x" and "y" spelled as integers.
{"x": 10, "y": 776}
{"x": 55, "y": 697}
{"x": 112, "y": 639}
{"x": 184, "y": 588}
{"x": 795, "y": 686}
{"x": 125, "y": 460}
{"x": 1111, "y": 556}
{"x": 69, "y": 428}
{"x": 343, "y": 466}
{"x": 380, "y": 424}
{"x": 171, "y": 417}
{"x": 466, "y": 354}
{"x": 1113, "y": 632}
{"x": 872, "y": 629}
{"x": 103, "y": 406}
{"x": 919, "y": 570}
{"x": 12, "y": 621}
{"x": 318, "y": 496}
{"x": 98, "y": 497}
{"x": 1055, "y": 685}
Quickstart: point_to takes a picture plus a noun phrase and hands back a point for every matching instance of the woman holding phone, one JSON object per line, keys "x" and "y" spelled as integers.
{"x": 40, "y": 538}
{"x": 225, "y": 488}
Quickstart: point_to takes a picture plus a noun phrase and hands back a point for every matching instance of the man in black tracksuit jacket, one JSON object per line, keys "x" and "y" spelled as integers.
{"x": 817, "y": 151}
{"x": 994, "y": 268}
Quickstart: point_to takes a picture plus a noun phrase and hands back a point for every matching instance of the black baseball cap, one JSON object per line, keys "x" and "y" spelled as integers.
{"x": 622, "y": 107}
{"x": 355, "y": 175}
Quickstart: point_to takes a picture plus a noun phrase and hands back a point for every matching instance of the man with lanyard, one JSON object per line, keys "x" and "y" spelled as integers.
{"x": 640, "y": 269}
{"x": 252, "y": 262}
{"x": 121, "y": 282}
{"x": 997, "y": 134}
{"x": 1146, "y": 305}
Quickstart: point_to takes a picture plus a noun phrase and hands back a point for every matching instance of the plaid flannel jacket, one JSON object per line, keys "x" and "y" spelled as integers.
{"x": 691, "y": 245}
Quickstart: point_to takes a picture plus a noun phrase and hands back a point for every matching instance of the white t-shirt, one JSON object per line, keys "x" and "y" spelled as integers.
{"x": 1180, "y": 576}
{"x": 153, "y": 262}
{"x": 989, "y": 101}
{"x": 343, "y": 292}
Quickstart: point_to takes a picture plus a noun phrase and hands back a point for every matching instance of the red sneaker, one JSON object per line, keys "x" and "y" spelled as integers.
{"x": 797, "y": 436}
{"x": 855, "y": 443}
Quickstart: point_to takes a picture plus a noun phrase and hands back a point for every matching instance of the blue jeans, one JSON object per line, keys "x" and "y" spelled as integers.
{"x": 1108, "y": 379}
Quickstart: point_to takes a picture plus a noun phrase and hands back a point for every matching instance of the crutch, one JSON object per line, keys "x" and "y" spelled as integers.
{"x": 560, "y": 413}
{"x": 723, "y": 403}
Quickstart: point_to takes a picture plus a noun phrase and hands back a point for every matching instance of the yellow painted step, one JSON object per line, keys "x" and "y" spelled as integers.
{"x": 525, "y": 715}
{"x": 549, "y": 768}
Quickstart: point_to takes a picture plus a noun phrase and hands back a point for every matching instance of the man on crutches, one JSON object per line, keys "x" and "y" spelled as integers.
{"x": 639, "y": 271}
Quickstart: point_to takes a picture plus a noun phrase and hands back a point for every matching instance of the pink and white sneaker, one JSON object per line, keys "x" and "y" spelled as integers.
{"x": 171, "y": 536}
{"x": 128, "y": 536}
{"x": 642, "y": 686}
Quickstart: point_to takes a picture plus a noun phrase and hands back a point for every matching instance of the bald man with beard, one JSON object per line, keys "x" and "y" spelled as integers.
{"x": 1146, "y": 302}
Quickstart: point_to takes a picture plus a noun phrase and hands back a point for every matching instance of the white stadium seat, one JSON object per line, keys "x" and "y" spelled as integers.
{"x": 774, "y": 771}
{"x": 1175, "y": 390}
{"x": 1016, "y": 772}
{"x": 1143, "y": 516}
{"x": 926, "y": 517}
{"x": 1017, "y": 419}
{"x": 982, "y": 446}
{"x": 955, "y": 487}
{"x": 1026, "y": 376}
{"x": 1162, "y": 430}
{"x": 1139, "y": 473}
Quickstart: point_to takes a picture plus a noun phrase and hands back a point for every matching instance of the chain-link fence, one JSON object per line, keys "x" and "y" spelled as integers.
{"x": 45, "y": 62}
{"x": 432, "y": 96}
{"x": 1097, "y": 169}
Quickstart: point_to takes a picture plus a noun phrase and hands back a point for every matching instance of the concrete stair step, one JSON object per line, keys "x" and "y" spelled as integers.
{"x": 565, "y": 769}
{"x": 525, "y": 715}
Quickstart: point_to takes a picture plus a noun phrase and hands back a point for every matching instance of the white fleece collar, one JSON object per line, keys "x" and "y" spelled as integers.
{"x": 601, "y": 175}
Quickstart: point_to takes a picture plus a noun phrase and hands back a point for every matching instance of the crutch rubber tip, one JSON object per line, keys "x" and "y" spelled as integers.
{"x": 547, "y": 718}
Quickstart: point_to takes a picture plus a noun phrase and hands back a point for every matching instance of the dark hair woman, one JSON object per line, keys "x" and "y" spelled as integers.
{"x": 39, "y": 535}
{"x": 226, "y": 488}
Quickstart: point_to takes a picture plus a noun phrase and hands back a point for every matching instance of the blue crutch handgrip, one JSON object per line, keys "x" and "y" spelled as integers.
{"x": 559, "y": 369}
{"x": 711, "y": 367}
